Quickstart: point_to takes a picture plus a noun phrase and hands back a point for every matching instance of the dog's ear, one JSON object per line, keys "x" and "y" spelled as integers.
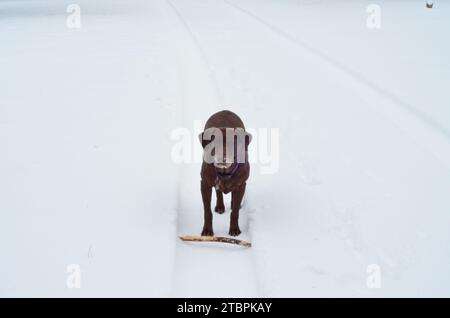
{"x": 248, "y": 139}
{"x": 200, "y": 138}
{"x": 204, "y": 142}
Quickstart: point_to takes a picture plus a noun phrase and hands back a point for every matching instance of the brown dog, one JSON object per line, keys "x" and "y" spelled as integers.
{"x": 225, "y": 166}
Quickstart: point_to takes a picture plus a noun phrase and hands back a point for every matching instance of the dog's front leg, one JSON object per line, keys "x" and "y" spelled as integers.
{"x": 236, "y": 199}
{"x": 220, "y": 207}
{"x": 206, "y": 196}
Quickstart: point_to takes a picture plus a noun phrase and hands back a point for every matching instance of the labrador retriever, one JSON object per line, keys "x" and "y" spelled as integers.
{"x": 225, "y": 166}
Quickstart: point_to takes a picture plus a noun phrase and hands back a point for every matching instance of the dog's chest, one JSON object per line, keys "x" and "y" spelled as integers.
{"x": 225, "y": 185}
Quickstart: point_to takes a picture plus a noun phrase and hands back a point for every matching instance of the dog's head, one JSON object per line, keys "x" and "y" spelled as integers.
{"x": 225, "y": 147}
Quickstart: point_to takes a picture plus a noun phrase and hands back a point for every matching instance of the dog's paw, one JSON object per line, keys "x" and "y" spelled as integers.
{"x": 234, "y": 231}
{"x": 219, "y": 209}
{"x": 207, "y": 231}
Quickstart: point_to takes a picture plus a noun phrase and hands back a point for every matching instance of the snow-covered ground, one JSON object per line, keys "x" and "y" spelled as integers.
{"x": 86, "y": 130}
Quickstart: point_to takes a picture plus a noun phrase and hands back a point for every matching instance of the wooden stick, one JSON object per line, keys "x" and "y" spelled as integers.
{"x": 220, "y": 239}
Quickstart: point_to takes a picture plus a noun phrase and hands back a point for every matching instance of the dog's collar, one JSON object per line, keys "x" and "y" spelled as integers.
{"x": 229, "y": 174}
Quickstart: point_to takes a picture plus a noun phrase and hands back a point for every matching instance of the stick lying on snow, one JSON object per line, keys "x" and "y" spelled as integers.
{"x": 220, "y": 239}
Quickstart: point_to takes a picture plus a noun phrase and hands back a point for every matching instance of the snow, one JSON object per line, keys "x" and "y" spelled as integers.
{"x": 86, "y": 131}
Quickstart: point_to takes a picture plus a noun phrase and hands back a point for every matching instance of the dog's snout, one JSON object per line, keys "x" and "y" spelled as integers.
{"x": 218, "y": 159}
{"x": 222, "y": 164}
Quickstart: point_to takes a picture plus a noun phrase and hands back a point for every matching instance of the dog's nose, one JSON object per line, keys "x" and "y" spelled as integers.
{"x": 222, "y": 165}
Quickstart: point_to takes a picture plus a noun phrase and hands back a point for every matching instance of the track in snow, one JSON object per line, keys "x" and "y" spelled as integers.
{"x": 205, "y": 269}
